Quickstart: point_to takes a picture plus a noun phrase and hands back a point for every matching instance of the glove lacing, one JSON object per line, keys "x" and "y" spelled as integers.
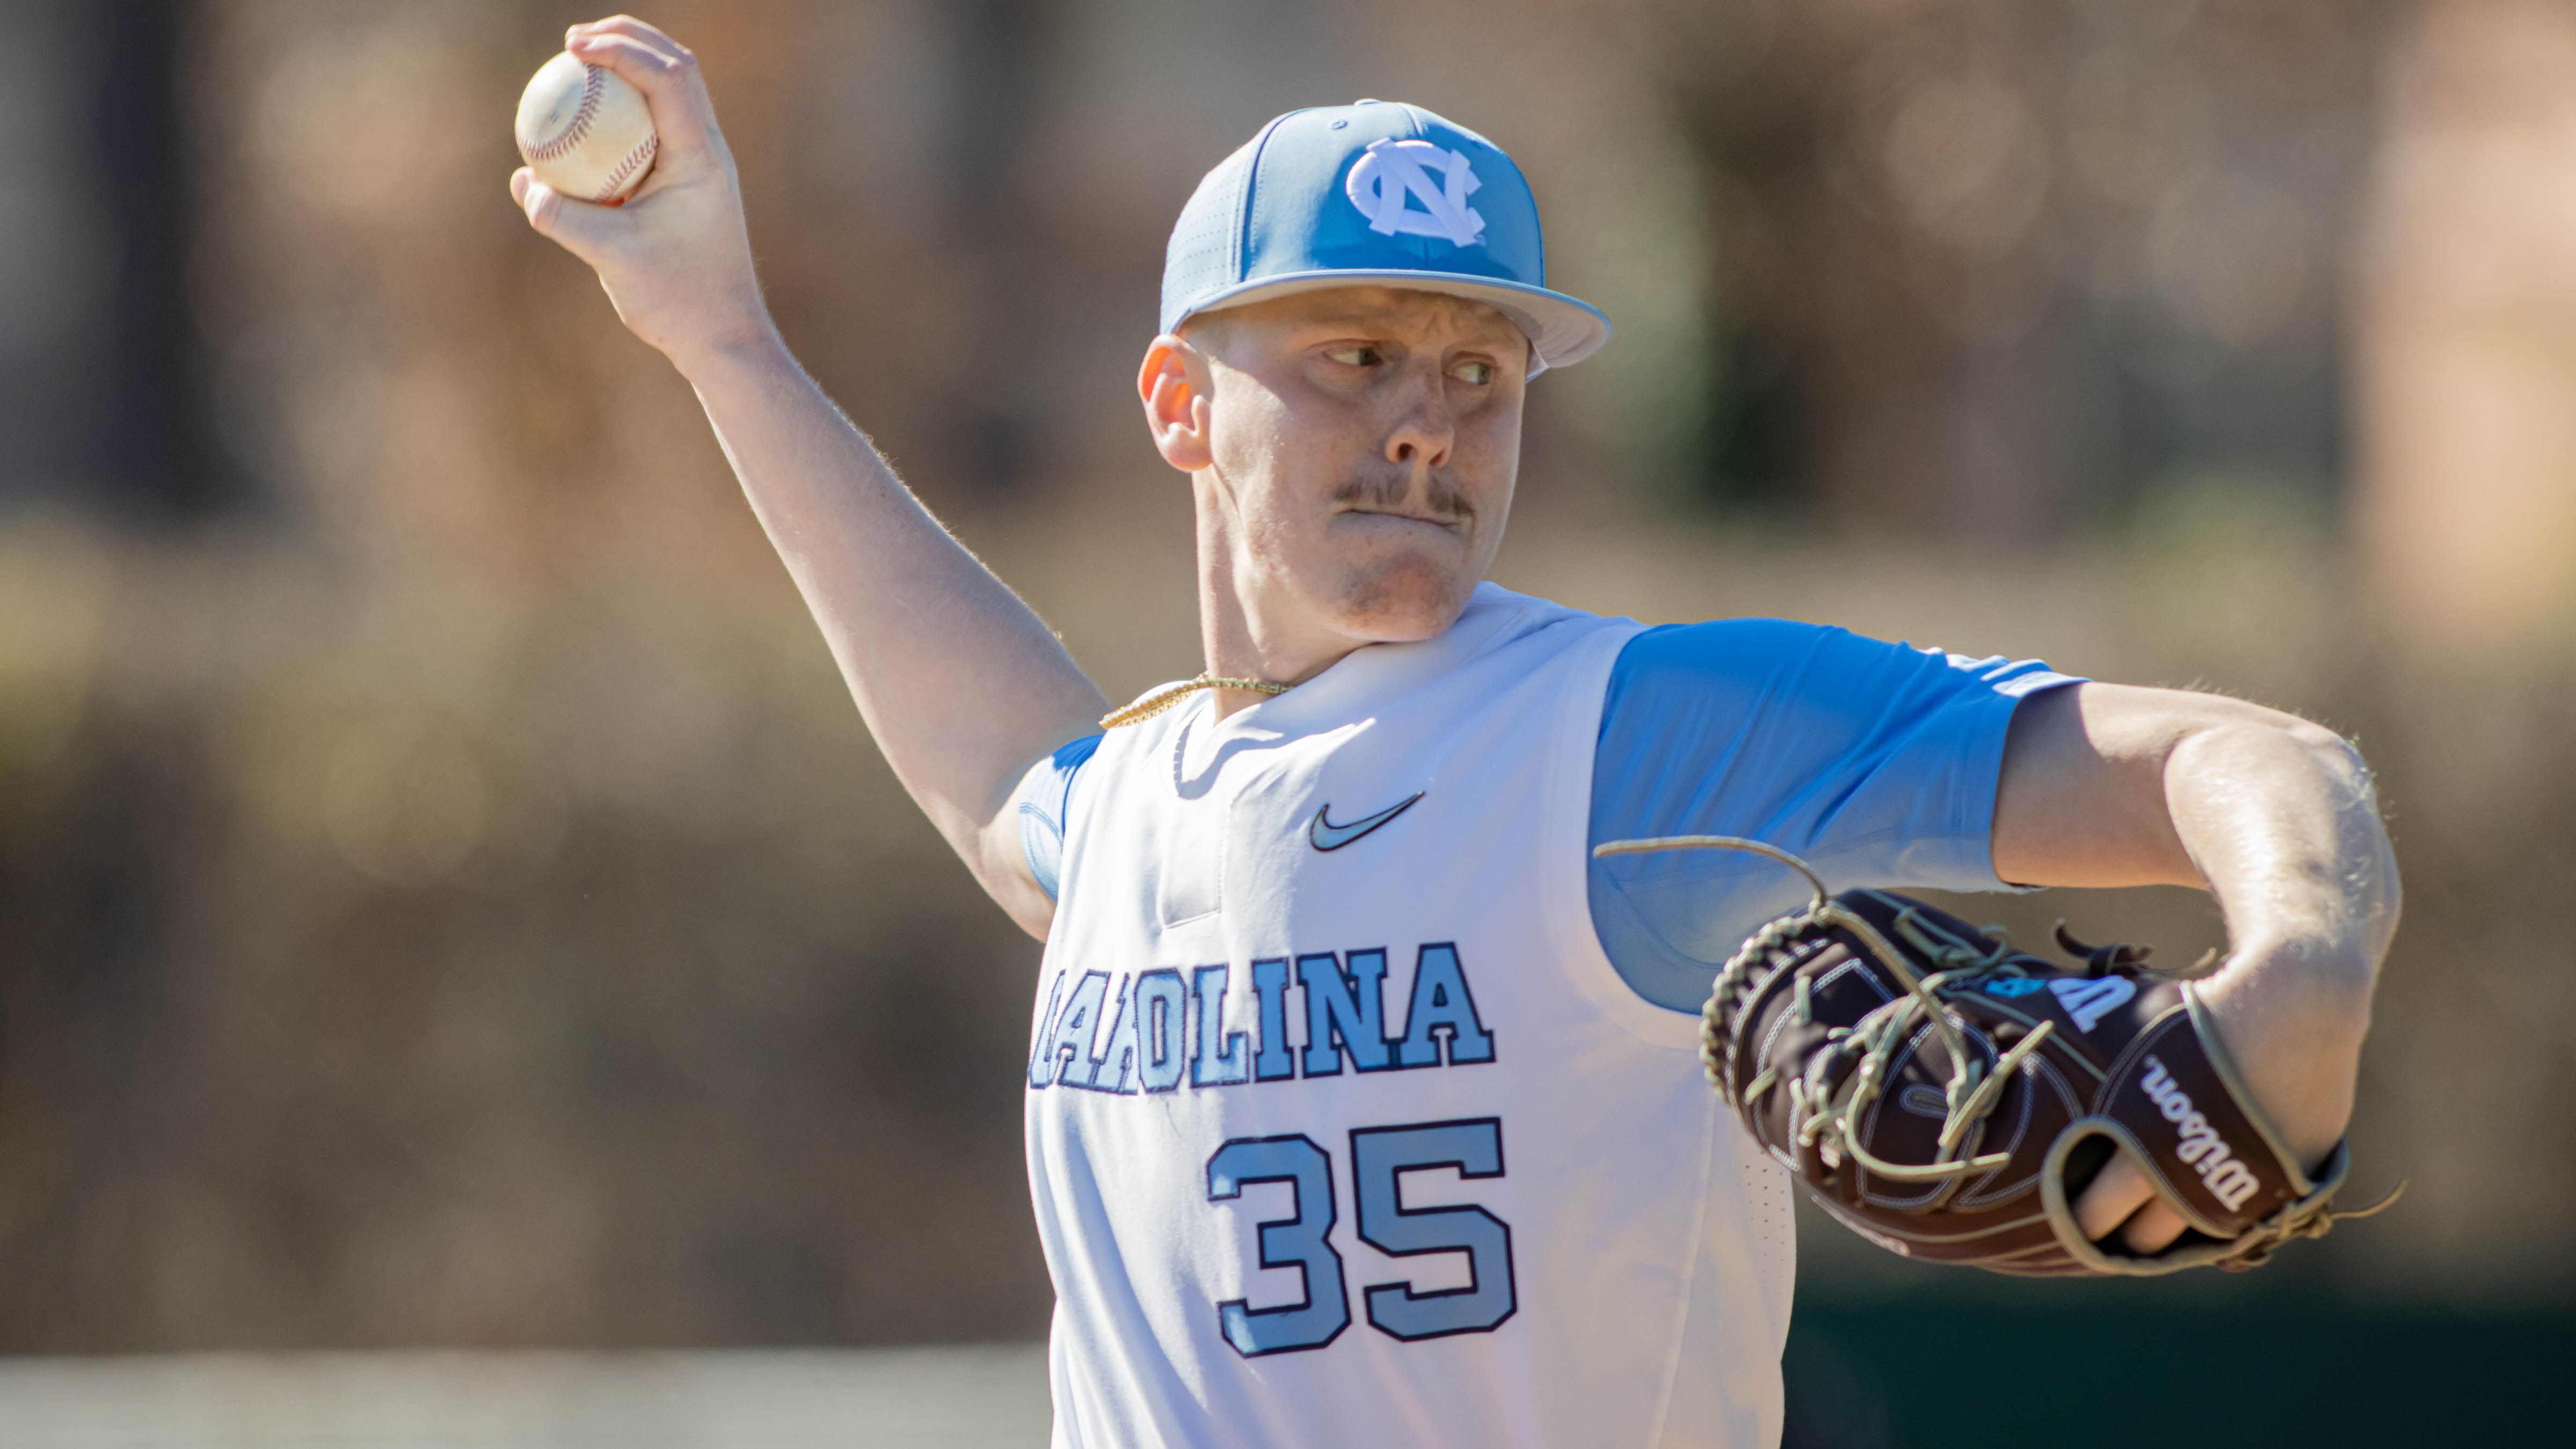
{"x": 1824, "y": 1114}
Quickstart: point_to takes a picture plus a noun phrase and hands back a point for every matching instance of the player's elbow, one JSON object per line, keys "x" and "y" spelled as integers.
{"x": 2207, "y": 716}
{"x": 2275, "y": 742}
{"x": 2369, "y": 858}
{"x": 2336, "y": 760}
{"x": 2334, "y": 754}
{"x": 2320, "y": 776}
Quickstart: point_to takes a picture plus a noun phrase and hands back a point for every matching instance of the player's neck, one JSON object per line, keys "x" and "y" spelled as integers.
{"x": 1248, "y": 631}
{"x": 1238, "y": 643}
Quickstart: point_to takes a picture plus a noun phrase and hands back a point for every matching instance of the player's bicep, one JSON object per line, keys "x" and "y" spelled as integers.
{"x": 1876, "y": 761}
{"x": 1021, "y": 848}
{"x": 1002, "y": 867}
{"x": 2081, "y": 799}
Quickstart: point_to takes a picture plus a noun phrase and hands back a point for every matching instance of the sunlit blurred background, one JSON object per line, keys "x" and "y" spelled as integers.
{"x": 448, "y": 903}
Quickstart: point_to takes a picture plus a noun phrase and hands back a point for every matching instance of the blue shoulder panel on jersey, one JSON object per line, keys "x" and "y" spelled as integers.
{"x": 1045, "y": 803}
{"x": 1875, "y": 762}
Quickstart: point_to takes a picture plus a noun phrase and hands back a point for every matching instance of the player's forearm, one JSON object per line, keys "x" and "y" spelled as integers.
{"x": 2116, "y": 785}
{"x": 2284, "y": 826}
{"x": 2113, "y": 785}
{"x": 2283, "y": 823}
{"x": 959, "y": 681}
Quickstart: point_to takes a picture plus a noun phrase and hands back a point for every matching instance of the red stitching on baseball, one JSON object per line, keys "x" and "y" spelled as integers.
{"x": 635, "y": 162}
{"x": 593, "y": 86}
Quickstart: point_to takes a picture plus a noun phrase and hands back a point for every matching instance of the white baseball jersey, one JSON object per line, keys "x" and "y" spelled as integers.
{"x": 1342, "y": 1129}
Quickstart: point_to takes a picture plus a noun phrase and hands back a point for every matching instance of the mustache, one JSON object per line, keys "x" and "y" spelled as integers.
{"x": 1391, "y": 490}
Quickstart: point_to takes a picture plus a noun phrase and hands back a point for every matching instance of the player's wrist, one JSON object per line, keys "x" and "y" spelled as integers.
{"x": 745, "y": 347}
{"x": 2294, "y": 1015}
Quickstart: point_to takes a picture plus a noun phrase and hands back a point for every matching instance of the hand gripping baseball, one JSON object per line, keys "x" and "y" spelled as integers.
{"x": 675, "y": 258}
{"x": 1946, "y": 1096}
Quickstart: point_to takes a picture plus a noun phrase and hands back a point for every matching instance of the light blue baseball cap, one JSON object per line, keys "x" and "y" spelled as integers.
{"x": 1374, "y": 193}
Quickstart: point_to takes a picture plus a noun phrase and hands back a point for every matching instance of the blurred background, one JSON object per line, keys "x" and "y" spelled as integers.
{"x": 448, "y": 902}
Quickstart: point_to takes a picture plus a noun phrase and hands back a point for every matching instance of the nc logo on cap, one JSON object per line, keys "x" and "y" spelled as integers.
{"x": 1372, "y": 194}
{"x": 1392, "y": 174}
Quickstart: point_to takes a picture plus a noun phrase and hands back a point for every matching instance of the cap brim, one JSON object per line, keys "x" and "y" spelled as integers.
{"x": 1562, "y": 330}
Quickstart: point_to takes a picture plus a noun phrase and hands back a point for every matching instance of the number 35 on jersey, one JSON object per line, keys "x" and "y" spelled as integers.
{"x": 1167, "y": 1028}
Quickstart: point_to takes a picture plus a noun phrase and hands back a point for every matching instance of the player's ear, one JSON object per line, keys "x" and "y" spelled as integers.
{"x": 1173, "y": 384}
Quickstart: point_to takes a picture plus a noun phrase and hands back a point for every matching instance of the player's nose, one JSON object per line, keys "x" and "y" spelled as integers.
{"x": 1425, "y": 428}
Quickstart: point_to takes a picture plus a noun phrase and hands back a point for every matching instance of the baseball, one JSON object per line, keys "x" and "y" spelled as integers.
{"x": 585, "y": 132}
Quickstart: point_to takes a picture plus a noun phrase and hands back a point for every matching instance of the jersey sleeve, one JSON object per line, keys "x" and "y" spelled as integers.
{"x": 1874, "y": 762}
{"x": 1045, "y": 805}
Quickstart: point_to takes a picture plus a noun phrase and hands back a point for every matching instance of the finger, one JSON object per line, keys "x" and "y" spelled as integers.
{"x": 577, "y": 226}
{"x": 632, "y": 28}
{"x": 683, "y": 115}
{"x": 2153, "y": 1229}
{"x": 2116, "y": 1192}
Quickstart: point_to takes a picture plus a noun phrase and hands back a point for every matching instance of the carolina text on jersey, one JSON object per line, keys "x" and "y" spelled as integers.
{"x": 1167, "y": 1025}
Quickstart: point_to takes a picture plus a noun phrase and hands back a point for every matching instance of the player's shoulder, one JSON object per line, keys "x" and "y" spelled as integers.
{"x": 1496, "y": 617}
{"x": 1762, "y": 648}
{"x": 1784, "y": 670}
{"x": 1715, "y": 642}
{"x": 1745, "y": 652}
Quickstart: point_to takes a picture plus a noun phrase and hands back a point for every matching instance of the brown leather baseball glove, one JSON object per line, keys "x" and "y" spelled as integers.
{"x": 1946, "y": 1096}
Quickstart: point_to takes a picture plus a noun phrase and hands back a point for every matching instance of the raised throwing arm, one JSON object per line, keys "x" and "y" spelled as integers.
{"x": 2110, "y": 785}
{"x": 959, "y": 681}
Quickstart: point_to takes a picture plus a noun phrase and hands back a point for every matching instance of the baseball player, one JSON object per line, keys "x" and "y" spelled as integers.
{"x": 1363, "y": 1105}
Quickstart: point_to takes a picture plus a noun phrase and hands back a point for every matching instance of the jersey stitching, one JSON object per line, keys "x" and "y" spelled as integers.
{"x": 1589, "y": 969}
{"x": 1690, "y": 1276}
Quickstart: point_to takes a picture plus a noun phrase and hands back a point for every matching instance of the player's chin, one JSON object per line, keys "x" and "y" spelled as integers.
{"x": 1409, "y": 595}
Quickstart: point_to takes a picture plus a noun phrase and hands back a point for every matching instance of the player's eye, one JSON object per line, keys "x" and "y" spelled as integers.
{"x": 1472, "y": 373}
{"x": 1354, "y": 354}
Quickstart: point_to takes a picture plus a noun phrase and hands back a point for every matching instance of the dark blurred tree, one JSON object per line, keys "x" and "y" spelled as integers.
{"x": 105, "y": 398}
{"x": 148, "y": 430}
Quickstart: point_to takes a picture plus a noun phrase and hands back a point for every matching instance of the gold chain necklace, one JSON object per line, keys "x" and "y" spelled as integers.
{"x": 1163, "y": 699}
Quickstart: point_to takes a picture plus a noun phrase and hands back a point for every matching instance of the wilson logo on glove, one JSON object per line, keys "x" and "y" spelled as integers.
{"x": 2198, "y": 1143}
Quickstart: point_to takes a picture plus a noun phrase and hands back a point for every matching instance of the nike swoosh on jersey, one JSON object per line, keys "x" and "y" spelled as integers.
{"x": 1327, "y": 836}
